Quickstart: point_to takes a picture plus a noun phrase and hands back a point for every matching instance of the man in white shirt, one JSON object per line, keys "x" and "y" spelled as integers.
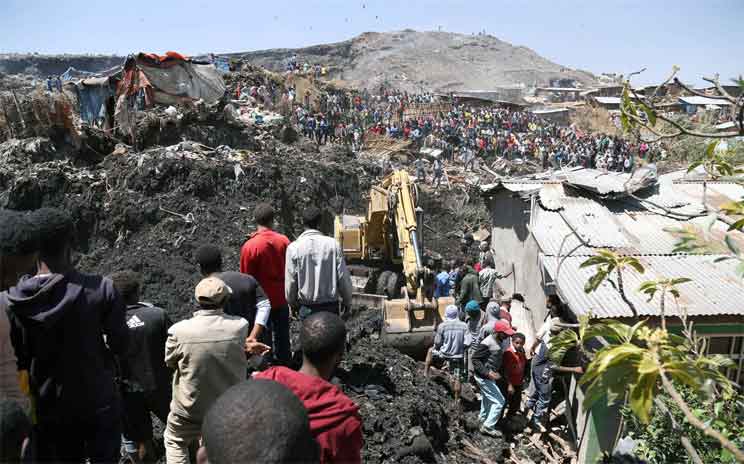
{"x": 316, "y": 277}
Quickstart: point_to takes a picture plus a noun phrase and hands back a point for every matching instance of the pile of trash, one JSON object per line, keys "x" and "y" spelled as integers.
{"x": 149, "y": 210}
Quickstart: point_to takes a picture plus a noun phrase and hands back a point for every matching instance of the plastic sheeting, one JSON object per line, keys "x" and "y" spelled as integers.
{"x": 185, "y": 80}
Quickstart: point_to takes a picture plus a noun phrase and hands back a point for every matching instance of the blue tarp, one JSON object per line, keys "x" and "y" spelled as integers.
{"x": 222, "y": 64}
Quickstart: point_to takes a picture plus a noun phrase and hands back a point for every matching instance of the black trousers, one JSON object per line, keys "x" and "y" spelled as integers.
{"x": 137, "y": 409}
{"x": 75, "y": 438}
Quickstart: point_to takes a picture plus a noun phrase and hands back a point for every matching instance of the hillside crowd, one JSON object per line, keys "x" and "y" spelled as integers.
{"x": 465, "y": 133}
{"x": 84, "y": 362}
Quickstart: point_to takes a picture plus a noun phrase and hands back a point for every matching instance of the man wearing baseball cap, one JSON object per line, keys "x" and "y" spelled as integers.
{"x": 207, "y": 354}
{"x": 487, "y": 361}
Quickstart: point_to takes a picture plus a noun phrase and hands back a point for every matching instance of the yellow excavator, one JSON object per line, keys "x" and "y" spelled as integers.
{"x": 384, "y": 253}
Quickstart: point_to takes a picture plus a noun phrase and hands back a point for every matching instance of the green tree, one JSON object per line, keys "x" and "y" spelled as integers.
{"x": 663, "y": 286}
{"x": 606, "y": 263}
{"x": 646, "y": 364}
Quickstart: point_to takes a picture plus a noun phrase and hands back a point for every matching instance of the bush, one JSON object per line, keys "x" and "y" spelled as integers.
{"x": 659, "y": 442}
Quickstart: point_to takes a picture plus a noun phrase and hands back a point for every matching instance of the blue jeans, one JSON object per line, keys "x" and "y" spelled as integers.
{"x": 492, "y": 402}
{"x": 542, "y": 378}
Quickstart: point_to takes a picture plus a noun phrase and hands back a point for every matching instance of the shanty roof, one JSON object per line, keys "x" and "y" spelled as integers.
{"x": 551, "y": 110}
{"x": 611, "y": 183}
{"x": 570, "y": 224}
{"x": 703, "y": 101}
{"x": 560, "y": 89}
{"x": 715, "y": 288}
{"x": 608, "y": 100}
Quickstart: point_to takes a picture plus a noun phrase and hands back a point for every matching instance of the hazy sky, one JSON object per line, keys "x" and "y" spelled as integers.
{"x": 701, "y": 36}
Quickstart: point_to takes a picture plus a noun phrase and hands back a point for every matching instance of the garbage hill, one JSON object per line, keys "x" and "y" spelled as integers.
{"x": 412, "y": 61}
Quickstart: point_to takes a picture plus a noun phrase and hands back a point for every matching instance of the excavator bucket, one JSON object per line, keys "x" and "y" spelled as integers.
{"x": 409, "y": 325}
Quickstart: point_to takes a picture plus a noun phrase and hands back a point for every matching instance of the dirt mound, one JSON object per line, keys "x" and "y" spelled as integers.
{"x": 407, "y": 417}
{"x": 150, "y": 210}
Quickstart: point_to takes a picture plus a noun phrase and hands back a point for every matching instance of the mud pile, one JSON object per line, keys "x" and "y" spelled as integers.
{"x": 407, "y": 417}
{"x": 150, "y": 210}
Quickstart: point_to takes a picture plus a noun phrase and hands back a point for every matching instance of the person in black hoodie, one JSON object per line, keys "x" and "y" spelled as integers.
{"x": 18, "y": 247}
{"x": 66, "y": 326}
{"x": 145, "y": 378}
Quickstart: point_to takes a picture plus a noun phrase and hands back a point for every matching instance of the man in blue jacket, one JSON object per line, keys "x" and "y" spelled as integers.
{"x": 66, "y": 327}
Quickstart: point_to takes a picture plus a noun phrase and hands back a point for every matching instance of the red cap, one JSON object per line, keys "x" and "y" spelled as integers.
{"x": 503, "y": 327}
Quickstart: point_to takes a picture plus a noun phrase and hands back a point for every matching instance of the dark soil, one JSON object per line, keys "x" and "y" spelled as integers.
{"x": 197, "y": 181}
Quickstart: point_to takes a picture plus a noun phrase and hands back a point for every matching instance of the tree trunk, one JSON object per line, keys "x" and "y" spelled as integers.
{"x": 621, "y": 289}
{"x": 661, "y": 306}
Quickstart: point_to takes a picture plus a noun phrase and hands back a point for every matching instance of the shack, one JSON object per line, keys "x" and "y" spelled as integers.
{"x": 560, "y": 94}
{"x": 545, "y": 228}
{"x": 608, "y": 103}
{"x": 559, "y": 116}
{"x": 171, "y": 79}
{"x": 695, "y": 103}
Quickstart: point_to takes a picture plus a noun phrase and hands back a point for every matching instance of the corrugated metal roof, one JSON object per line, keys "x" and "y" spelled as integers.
{"x": 624, "y": 233}
{"x": 550, "y": 111}
{"x": 717, "y": 194}
{"x": 517, "y": 185}
{"x": 522, "y": 186}
{"x": 554, "y": 237}
{"x": 697, "y": 100}
{"x": 611, "y": 183}
{"x": 571, "y": 228}
{"x": 715, "y": 289}
{"x": 608, "y": 100}
{"x": 551, "y": 196}
{"x": 593, "y": 223}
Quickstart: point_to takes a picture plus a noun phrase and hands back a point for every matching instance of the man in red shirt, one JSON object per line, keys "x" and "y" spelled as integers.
{"x": 334, "y": 418}
{"x": 263, "y": 256}
{"x": 515, "y": 364}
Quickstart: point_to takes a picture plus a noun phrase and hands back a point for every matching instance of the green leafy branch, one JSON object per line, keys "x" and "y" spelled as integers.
{"x": 606, "y": 263}
{"x": 640, "y": 111}
{"x": 662, "y": 286}
{"x": 642, "y": 362}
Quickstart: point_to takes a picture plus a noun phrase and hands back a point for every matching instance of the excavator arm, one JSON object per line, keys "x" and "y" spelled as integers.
{"x": 403, "y": 219}
{"x": 389, "y": 233}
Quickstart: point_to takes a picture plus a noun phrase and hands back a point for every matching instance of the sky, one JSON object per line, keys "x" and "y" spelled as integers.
{"x": 702, "y": 37}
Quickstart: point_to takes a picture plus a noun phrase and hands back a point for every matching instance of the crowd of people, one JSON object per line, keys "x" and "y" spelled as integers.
{"x": 84, "y": 362}
{"x": 465, "y": 133}
{"x": 480, "y": 344}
